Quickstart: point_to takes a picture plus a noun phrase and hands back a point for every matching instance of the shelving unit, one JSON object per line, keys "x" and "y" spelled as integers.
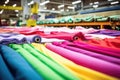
{"x": 101, "y": 24}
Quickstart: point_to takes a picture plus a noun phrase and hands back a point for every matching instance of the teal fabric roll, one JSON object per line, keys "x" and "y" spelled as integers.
{"x": 20, "y": 69}
{"x": 39, "y": 66}
{"x": 77, "y": 20}
{"x": 5, "y": 74}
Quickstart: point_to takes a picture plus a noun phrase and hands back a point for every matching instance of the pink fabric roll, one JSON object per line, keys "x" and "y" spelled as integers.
{"x": 87, "y": 61}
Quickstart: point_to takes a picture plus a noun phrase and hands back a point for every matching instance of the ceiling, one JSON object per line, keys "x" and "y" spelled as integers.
{"x": 53, "y": 5}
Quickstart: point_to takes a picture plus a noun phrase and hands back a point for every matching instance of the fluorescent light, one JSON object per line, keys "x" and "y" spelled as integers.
{"x": 16, "y": 11}
{"x": 29, "y": 4}
{"x": 32, "y": 2}
{"x": 1, "y": 11}
{"x": 67, "y": 10}
{"x": 110, "y": 0}
{"x": 17, "y": 14}
{"x": 115, "y": 2}
{"x": 53, "y": 9}
{"x": 91, "y": 3}
{"x": 14, "y": 5}
{"x": 62, "y": 10}
{"x": 96, "y": 2}
{"x": 44, "y": 3}
{"x": 76, "y": 2}
{"x": 60, "y": 6}
{"x": 6, "y": 1}
{"x": 45, "y": 7}
{"x": 4, "y": 5}
{"x": 70, "y": 7}
{"x": 95, "y": 6}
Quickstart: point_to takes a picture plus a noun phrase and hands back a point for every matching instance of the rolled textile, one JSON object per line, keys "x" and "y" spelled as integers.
{"x": 95, "y": 49}
{"x": 42, "y": 69}
{"x": 50, "y": 63}
{"x": 100, "y": 47}
{"x": 33, "y": 38}
{"x": 87, "y": 61}
{"x": 66, "y": 36}
{"x": 80, "y": 71}
{"x": 13, "y": 39}
{"x": 5, "y": 73}
{"x": 90, "y": 53}
{"x": 20, "y": 69}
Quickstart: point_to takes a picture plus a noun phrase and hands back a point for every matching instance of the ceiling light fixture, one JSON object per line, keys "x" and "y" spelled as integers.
{"x": 115, "y": 2}
{"x": 96, "y": 2}
{"x": 70, "y": 7}
{"x": 4, "y": 5}
{"x": 1, "y": 11}
{"x": 53, "y": 9}
{"x": 76, "y": 2}
{"x": 60, "y": 6}
{"x": 95, "y": 6}
{"x": 16, "y": 11}
{"x": 14, "y": 5}
{"x": 7, "y": 1}
{"x": 43, "y": 3}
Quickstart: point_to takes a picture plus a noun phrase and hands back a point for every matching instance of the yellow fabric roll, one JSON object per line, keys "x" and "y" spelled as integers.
{"x": 80, "y": 71}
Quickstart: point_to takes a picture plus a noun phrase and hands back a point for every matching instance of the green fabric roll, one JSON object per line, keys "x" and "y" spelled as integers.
{"x": 115, "y": 17}
{"x": 88, "y": 19}
{"x": 62, "y": 20}
{"x": 39, "y": 66}
{"x": 102, "y": 19}
{"x": 52, "y": 64}
{"x": 77, "y": 20}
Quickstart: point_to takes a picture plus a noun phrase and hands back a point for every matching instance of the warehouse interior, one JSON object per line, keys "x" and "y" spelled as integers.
{"x": 59, "y": 39}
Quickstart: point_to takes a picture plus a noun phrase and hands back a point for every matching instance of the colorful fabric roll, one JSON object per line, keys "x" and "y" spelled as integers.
{"x": 5, "y": 73}
{"x": 7, "y": 39}
{"x": 87, "y": 61}
{"x": 94, "y": 49}
{"x": 39, "y": 66}
{"x": 90, "y": 53}
{"x": 16, "y": 38}
{"x": 20, "y": 69}
{"x": 80, "y": 71}
{"x": 53, "y": 65}
{"x": 33, "y": 38}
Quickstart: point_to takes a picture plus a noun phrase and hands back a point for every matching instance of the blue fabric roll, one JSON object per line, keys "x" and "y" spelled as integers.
{"x": 4, "y": 71}
{"x": 20, "y": 69}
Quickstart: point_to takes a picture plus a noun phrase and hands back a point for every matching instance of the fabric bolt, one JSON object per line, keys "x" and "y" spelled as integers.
{"x": 20, "y": 69}
{"x": 107, "y": 42}
{"x": 33, "y": 38}
{"x": 65, "y": 36}
{"x": 53, "y": 65}
{"x": 87, "y": 61}
{"x": 101, "y": 47}
{"x": 39, "y": 66}
{"x": 94, "y": 49}
{"x": 12, "y": 39}
{"x": 82, "y": 72}
{"x": 8, "y": 38}
{"x": 86, "y": 52}
{"x": 5, "y": 74}
{"x": 108, "y": 32}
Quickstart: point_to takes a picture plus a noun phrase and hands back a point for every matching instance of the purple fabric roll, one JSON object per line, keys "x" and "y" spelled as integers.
{"x": 108, "y": 32}
{"x": 93, "y": 49}
{"x": 12, "y": 39}
{"x": 87, "y": 61}
{"x": 7, "y": 38}
{"x": 90, "y": 53}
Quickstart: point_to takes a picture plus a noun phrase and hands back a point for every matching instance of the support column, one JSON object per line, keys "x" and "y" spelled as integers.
{"x": 26, "y": 9}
